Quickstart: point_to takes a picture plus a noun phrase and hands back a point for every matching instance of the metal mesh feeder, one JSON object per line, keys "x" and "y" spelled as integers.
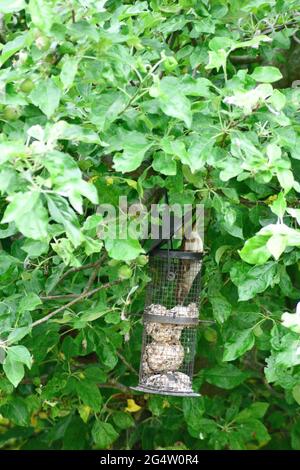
{"x": 170, "y": 323}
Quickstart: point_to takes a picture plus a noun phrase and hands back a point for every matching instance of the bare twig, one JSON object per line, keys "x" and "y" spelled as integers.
{"x": 80, "y": 297}
{"x": 2, "y": 27}
{"x": 296, "y": 39}
{"x": 111, "y": 384}
{"x": 80, "y": 268}
{"x": 117, "y": 385}
{"x": 126, "y": 363}
{"x": 59, "y": 297}
{"x": 279, "y": 27}
{"x": 94, "y": 274}
{"x": 135, "y": 95}
{"x": 91, "y": 280}
{"x": 245, "y": 59}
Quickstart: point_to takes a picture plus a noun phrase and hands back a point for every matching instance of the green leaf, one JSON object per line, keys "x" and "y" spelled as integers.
{"x": 17, "y": 334}
{"x": 225, "y": 376}
{"x": 14, "y": 370}
{"x": 62, "y": 213}
{"x": 123, "y": 420}
{"x": 196, "y": 86}
{"x": 220, "y": 252}
{"x": 197, "y": 154}
{"x": 255, "y": 429}
{"x": 217, "y": 59}
{"x": 172, "y": 100}
{"x": 103, "y": 434}
{"x": 67, "y": 180}
{"x": 277, "y": 244}
{"x": 35, "y": 248}
{"x": 65, "y": 249}
{"x": 107, "y": 355}
{"x": 134, "y": 145}
{"x": 74, "y": 437}
{"x": 106, "y": 108}
{"x": 46, "y": 96}
{"x": 266, "y": 74}
{"x": 273, "y": 152}
{"x": 41, "y": 14}
{"x": 277, "y": 100}
{"x": 163, "y": 163}
{"x": 220, "y": 42}
{"x": 17, "y": 411}
{"x": 193, "y": 410}
{"x": 238, "y": 343}
{"x": 256, "y": 410}
{"x": 11, "y": 6}
{"x": 29, "y": 302}
{"x": 230, "y": 170}
{"x": 287, "y": 351}
{"x": 156, "y": 405}
{"x": 93, "y": 313}
{"x": 20, "y": 354}
{"x": 278, "y": 207}
{"x": 18, "y": 43}
{"x": 286, "y": 179}
{"x": 254, "y": 250}
{"x": 26, "y": 210}
{"x": 89, "y": 393}
{"x": 125, "y": 250}
{"x": 68, "y": 71}
{"x": 294, "y": 213}
{"x": 64, "y": 130}
{"x": 253, "y": 280}
{"x": 221, "y": 307}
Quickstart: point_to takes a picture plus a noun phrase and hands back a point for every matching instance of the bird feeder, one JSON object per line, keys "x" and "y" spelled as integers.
{"x": 170, "y": 323}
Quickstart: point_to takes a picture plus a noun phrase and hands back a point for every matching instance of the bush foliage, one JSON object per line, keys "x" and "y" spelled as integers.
{"x": 101, "y": 99}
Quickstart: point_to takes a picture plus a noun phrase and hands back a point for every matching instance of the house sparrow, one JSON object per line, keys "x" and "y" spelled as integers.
{"x": 189, "y": 268}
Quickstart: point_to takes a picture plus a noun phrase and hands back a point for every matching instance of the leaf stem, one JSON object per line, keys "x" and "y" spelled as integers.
{"x": 80, "y": 297}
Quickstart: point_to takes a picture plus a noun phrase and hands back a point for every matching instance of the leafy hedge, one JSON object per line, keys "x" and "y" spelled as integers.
{"x": 101, "y": 99}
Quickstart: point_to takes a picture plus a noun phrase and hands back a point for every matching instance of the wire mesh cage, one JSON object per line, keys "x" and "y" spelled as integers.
{"x": 170, "y": 323}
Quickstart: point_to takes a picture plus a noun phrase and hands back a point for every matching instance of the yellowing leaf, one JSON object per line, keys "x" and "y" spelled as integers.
{"x": 33, "y": 421}
{"x": 132, "y": 407}
{"x": 84, "y": 412}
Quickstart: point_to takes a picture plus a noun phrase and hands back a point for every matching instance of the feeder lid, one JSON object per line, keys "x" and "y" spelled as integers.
{"x": 142, "y": 388}
{"x": 160, "y": 253}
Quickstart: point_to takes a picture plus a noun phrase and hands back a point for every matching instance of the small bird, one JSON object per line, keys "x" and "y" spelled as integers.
{"x": 193, "y": 243}
{"x": 189, "y": 268}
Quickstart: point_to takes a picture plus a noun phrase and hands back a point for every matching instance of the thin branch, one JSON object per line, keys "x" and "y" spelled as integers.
{"x": 94, "y": 274}
{"x": 296, "y": 38}
{"x": 245, "y": 59}
{"x": 279, "y": 27}
{"x": 59, "y": 297}
{"x": 127, "y": 364}
{"x": 80, "y": 297}
{"x": 117, "y": 385}
{"x": 80, "y": 268}
{"x": 135, "y": 95}
{"x": 111, "y": 384}
{"x": 2, "y": 27}
{"x": 91, "y": 280}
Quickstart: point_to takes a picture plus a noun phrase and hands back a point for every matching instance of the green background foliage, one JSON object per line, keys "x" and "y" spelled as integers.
{"x": 101, "y": 99}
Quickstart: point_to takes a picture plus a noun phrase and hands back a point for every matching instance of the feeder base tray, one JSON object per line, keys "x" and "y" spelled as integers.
{"x": 141, "y": 388}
